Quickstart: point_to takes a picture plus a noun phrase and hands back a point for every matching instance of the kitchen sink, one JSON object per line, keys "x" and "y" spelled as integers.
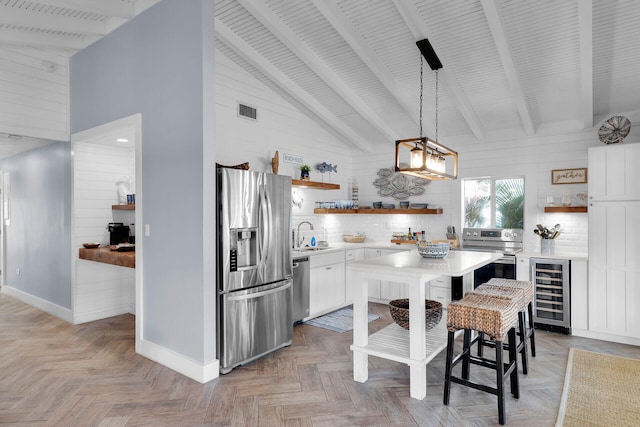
{"x": 313, "y": 249}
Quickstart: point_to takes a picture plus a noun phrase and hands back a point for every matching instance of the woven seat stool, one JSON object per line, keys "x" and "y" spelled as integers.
{"x": 527, "y": 287}
{"x": 495, "y": 316}
{"x": 518, "y": 296}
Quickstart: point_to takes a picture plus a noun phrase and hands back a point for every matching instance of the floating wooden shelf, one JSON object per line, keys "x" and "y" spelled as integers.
{"x": 380, "y": 211}
{"x": 314, "y": 184}
{"x": 131, "y": 207}
{"x": 565, "y": 209}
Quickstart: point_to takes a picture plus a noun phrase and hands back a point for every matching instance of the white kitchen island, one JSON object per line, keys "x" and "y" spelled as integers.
{"x": 415, "y": 347}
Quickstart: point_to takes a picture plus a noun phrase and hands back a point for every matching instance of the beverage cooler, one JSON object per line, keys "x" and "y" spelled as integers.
{"x": 552, "y": 292}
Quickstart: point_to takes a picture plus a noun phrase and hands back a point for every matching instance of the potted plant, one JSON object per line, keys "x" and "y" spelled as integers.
{"x": 304, "y": 172}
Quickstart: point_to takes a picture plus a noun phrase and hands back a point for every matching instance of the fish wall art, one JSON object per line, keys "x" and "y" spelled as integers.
{"x": 326, "y": 167}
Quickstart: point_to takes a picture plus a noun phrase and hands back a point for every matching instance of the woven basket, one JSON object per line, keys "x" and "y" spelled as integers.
{"x": 399, "y": 309}
{"x": 353, "y": 239}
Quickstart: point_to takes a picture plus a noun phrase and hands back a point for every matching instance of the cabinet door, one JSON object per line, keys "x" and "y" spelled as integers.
{"x": 579, "y": 295}
{"x": 614, "y": 172}
{"x": 392, "y": 290}
{"x": 522, "y": 268}
{"x": 351, "y": 255}
{"x": 327, "y": 288}
{"x": 614, "y": 273}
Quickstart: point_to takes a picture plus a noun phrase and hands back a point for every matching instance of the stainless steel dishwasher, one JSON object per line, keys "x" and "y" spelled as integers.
{"x": 301, "y": 283}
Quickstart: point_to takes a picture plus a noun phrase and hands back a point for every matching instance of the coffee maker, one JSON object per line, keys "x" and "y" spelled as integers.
{"x": 118, "y": 233}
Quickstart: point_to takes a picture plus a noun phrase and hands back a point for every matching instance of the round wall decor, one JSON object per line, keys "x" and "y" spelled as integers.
{"x": 614, "y": 130}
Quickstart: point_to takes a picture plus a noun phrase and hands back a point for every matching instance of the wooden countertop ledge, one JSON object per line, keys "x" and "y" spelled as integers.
{"x": 106, "y": 255}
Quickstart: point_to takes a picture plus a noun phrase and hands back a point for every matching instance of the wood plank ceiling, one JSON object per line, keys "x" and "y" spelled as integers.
{"x": 511, "y": 68}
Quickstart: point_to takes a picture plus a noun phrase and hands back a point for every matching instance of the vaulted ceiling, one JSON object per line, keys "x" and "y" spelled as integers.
{"x": 511, "y": 68}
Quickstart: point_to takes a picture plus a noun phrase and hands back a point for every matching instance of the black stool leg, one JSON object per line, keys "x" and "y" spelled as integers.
{"x": 500, "y": 382}
{"x": 513, "y": 358}
{"x": 522, "y": 326}
{"x": 448, "y": 367}
{"x": 480, "y": 343}
{"x": 466, "y": 354}
{"x": 531, "y": 331}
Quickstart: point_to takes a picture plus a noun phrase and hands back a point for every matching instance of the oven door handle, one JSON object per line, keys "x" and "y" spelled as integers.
{"x": 506, "y": 260}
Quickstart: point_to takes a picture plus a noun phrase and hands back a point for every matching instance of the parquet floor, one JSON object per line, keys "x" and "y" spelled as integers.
{"x": 56, "y": 374}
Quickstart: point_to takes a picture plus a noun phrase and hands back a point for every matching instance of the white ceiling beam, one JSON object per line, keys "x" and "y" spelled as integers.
{"x": 335, "y": 16}
{"x": 45, "y": 21}
{"x": 101, "y": 7}
{"x": 496, "y": 25}
{"x": 289, "y": 38}
{"x": 417, "y": 26}
{"x": 29, "y": 38}
{"x": 585, "y": 19}
{"x": 253, "y": 57}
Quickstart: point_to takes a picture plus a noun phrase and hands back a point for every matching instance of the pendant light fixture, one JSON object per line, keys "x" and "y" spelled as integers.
{"x": 424, "y": 157}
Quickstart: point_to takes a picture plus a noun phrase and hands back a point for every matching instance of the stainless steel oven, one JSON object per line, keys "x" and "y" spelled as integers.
{"x": 507, "y": 241}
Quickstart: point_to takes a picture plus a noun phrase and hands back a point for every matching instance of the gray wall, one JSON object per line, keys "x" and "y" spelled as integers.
{"x": 38, "y": 239}
{"x": 161, "y": 64}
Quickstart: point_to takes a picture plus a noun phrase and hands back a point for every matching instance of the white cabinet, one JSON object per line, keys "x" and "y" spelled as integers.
{"x": 374, "y": 285}
{"x": 522, "y": 268}
{"x": 351, "y": 255}
{"x": 579, "y": 295}
{"x": 392, "y": 290}
{"x": 614, "y": 173}
{"x": 614, "y": 269}
{"x": 440, "y": 290}
{"x": 382, "y": 290}
{"x": 327, "y": 284}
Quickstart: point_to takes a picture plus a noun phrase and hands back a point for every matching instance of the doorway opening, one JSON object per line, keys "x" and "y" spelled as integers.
{"x": 103, "y": 158}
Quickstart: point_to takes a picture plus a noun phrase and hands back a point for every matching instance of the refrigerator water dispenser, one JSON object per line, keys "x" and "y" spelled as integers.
{"x": 243, "y": 245}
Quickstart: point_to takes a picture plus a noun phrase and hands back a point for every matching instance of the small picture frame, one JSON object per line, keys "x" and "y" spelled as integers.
{"x": 569, "y": 176}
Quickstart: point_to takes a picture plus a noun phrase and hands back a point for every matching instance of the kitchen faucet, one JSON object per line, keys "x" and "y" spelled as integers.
{"x": 310, "y": 227}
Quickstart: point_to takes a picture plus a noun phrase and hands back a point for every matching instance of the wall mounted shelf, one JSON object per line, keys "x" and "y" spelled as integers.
{"x": 314, "y": 184}
{"x": 130, "y": 207}
{"x": 379, "y": 211}
{"x": 565, "y": 209}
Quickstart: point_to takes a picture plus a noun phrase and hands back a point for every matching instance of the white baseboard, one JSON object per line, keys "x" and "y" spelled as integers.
{"x": 179, "y": 363}
{"x": 102, "y": 314}
{"x": 39, "y": 303}
{"x": 604, "y": 337}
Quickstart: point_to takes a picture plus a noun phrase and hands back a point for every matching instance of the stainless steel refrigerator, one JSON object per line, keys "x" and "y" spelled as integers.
{"x": 254, "y": 269}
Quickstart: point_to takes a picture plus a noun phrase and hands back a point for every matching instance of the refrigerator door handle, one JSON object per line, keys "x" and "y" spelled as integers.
{"x": 259, "y": 294}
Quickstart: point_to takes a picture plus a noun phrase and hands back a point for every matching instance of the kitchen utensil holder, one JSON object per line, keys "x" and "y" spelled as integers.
{"x": 547, "y": 246}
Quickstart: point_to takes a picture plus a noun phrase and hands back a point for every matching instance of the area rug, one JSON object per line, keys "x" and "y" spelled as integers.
{"x": 339, "y": 321}
{"x": 600, "y": 390}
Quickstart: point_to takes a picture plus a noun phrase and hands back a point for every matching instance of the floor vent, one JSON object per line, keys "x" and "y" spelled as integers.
{"x": 247, "y": 112}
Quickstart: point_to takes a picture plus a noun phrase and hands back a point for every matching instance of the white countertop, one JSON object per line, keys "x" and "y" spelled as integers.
{"x": 456, "y": 263}
{"x": 556, "y": 255}
{"x": 343, "y": 246}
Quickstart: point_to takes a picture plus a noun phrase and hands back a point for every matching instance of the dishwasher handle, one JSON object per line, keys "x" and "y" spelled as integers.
{"x": 296, "y": 262}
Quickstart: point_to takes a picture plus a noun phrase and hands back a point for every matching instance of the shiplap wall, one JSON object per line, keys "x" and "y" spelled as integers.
{"x": 280, "y": 127}
{"x": 34, "y": 93}
{"x": 101, "y": 290}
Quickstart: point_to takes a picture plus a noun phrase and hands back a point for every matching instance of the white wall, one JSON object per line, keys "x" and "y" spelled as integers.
{"x": 100, "y": 290}
{"x": 282, "y": 128}
{"x": 34, "y": 93}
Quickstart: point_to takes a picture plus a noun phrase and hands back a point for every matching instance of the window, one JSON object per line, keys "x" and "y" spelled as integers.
{"x": 494, "y": 202}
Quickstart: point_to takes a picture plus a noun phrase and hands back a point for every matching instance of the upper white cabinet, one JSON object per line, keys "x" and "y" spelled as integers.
{"x": 614, "y": 172}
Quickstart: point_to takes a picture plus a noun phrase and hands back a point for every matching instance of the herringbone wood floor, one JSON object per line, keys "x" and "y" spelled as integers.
{"x": 56, "y": 374}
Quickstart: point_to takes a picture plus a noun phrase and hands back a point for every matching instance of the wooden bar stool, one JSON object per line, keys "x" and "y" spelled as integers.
{"x": 528, "y": 289}
{"x": 518, "y": 296}
{"x": 496, "y": 317}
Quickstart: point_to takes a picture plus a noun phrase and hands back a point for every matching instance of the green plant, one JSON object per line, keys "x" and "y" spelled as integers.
{"x": 474, "y": 207}
{"x": 305, "y": 168}
{"x": 510, "y": 203}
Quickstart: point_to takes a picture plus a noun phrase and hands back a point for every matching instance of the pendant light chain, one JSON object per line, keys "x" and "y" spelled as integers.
{"x": 421, "y": 86}
{"x": 436, "y": 105}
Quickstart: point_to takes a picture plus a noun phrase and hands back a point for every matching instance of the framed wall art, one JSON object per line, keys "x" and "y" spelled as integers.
{"x": 569, "y": 176}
